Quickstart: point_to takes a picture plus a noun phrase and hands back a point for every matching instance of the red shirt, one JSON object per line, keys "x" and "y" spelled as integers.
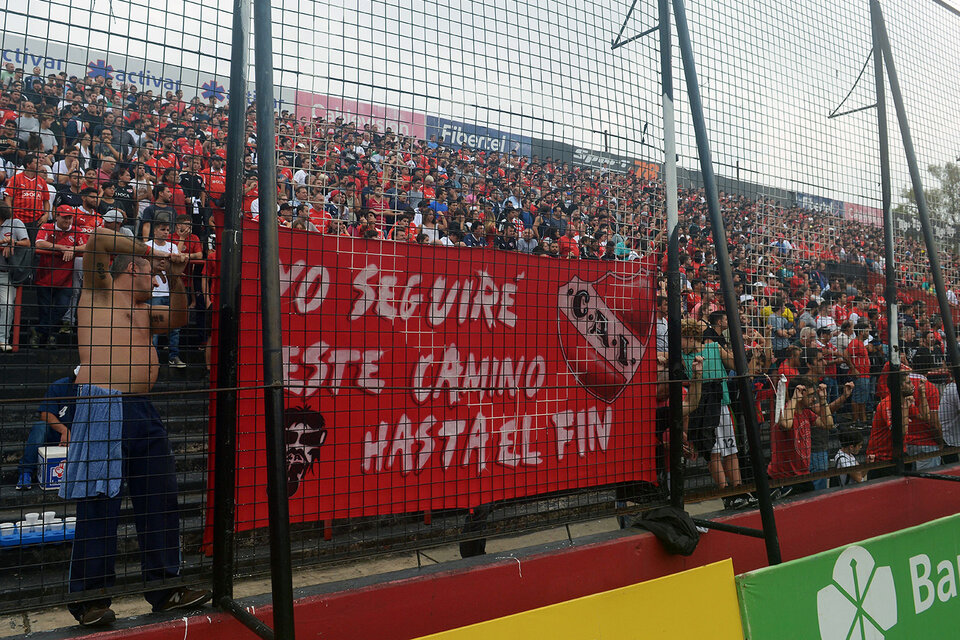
{"x": 52, "y": 270}
{"x": 179, "y": 201}
{"x": 215, "y": 182}
{"x": 320, "y": 218}
{"x": 790, "y": 448}
{"x": 829, "y": 353}
{"x": 87, "y": 221}
{"x": 881, "y": 445}
{"x": 569, "y": 246}
{"x": 188, "y": 244}
{"x": 786, "y": 370}
{"x": 190, "y": 147}
{"x": 920, "y": 432}
{"x": 378, "y": 205}
{"x": 840, "y": 313}
{"x": 159, "y": 163}
{"x": 29, "y": 195}
{"x": 861, "y": 359}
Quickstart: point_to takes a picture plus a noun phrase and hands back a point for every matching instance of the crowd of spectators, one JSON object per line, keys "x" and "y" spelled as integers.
{"x": 77, "y": 153}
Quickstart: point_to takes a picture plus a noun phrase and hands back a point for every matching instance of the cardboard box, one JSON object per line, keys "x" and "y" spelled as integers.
{"x": 53, "y": 461}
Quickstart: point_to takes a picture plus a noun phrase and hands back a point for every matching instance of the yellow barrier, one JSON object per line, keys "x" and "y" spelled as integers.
{"x": 699, "y": 603}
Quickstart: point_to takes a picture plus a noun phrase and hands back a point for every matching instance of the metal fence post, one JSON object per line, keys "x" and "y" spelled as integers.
{"x": 278, "y": 507}
{"x": 890, "y": 267}
{"x": 230, "y": 243}
{"x": 726, "y": 283}
{"x": 673, "y": 258}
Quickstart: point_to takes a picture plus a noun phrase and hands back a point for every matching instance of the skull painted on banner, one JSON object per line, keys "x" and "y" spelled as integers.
{"x": 304, "y": 435}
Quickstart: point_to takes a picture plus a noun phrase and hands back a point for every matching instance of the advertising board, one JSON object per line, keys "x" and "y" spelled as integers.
{"x": 902, "y": 585}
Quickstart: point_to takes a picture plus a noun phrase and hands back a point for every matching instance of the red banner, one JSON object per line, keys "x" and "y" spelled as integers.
{"x": 422, "y": 377}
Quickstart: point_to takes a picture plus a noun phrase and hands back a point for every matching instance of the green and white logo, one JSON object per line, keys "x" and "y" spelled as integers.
{"x": 900, "y": 586}
{"x": 861, "y": 602}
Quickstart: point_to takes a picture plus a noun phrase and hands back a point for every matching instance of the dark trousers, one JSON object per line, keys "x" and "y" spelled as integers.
{"x": 150, "y": 473}
{"x": 52, "y": 303}
{"x": 40, "y": 434}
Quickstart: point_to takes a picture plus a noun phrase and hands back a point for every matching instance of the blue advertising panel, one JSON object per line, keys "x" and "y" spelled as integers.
{"x": 816, "y": 203}
{"x": 451, "y": 133}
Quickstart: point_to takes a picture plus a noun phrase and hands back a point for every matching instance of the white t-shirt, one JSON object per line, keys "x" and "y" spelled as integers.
{"x": 59, "y": 168}
{"x": 161, "y": 288}
{"x": 826, "y": 321}
{"x": 844, "y": 460}
{"x": 141, "y": 185}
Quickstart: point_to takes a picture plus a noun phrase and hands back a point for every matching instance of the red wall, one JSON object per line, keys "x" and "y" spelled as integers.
{"x": 418, "y": 606}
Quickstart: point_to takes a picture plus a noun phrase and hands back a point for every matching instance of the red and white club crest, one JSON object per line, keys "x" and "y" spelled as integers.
{"x": 604, "y": 327}
{"x": 57, "y": 471}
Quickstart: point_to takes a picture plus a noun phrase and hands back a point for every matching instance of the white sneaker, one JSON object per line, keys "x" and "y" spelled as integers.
{"x": 6, "y": 347}
{"x": 177, "y": 363}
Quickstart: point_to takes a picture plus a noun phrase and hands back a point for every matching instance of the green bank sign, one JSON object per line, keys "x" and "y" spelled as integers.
{"x": 898, "y": 586}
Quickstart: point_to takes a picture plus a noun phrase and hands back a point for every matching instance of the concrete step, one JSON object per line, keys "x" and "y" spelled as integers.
{"x": 36, "y": 499}
{"x": 29, "y": 371}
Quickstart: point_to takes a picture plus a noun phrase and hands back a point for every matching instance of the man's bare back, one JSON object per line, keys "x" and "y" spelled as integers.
{"x": 114, "y": 322}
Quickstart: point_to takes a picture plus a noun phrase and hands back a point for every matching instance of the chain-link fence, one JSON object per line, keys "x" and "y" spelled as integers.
{"x": 473, "y": 281}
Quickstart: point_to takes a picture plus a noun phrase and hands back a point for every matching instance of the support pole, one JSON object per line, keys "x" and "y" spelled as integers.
{"x": 931, "y": 476}
{"x": 673, "y": 259}
{"x": 247, "y": 619}
{"x": 922, "y": 210}
{"x": 726, "y": 282}
{"x": 278, "y": 506}
{"x": 889, "y": 240}
{"x": 728, "y": 528}
{"x": 230, "y": 243}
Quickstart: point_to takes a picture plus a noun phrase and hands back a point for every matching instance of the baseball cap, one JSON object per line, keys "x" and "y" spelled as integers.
{"x": 113, "y": 215}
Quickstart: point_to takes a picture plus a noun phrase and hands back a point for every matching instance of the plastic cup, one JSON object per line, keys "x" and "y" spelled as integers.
{"x": 70, "y": 522}
{"x": 33, "y": 524}
{"x": 49, "y": 515}
{"x": 7, "y": 529}
{"x": 53, "y": 528}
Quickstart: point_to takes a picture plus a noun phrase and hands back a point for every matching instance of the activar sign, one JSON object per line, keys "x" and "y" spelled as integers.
{"x": 421, "y": 377}
{"x": 897, "y": 586}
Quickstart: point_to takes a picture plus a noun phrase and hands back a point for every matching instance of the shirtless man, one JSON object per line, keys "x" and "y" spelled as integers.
{"x": 117, "y": 431}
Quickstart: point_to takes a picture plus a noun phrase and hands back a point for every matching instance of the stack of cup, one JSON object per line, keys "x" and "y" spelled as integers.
{"x": 7, "y": 529}
{"x": 31, "y": 524}
{"x": 53, "y": 528}
{"x": 70, "y": 523}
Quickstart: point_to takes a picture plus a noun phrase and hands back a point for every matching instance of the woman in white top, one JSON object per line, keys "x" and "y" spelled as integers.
{"x": 13, "y": 233}
{"x": 430, "y": 228}
{"x": 85, "y": 156}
